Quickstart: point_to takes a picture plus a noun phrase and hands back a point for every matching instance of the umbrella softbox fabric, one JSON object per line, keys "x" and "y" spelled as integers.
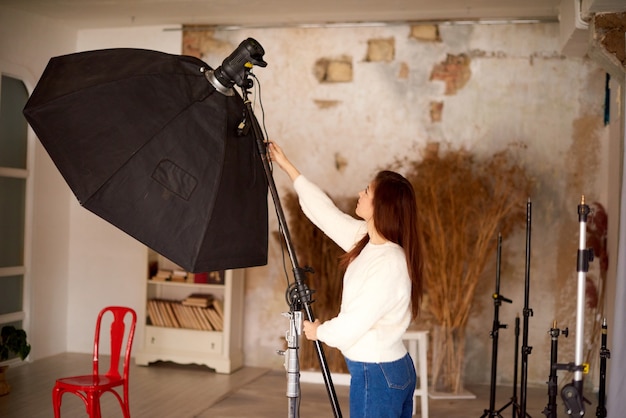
{"x": 147, "y": 143}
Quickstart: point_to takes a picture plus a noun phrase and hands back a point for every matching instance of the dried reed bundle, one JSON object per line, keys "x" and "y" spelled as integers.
{"x": 463, "y": 204}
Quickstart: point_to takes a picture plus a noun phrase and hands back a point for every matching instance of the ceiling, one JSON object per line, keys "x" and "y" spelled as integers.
{"x": 83, "y": 14}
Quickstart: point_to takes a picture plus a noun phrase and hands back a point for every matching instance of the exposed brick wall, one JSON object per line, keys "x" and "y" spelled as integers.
{"x": 454, "y": 72}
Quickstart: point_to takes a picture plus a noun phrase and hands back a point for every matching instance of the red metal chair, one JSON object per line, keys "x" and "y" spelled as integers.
{"x": 90, "y": 387}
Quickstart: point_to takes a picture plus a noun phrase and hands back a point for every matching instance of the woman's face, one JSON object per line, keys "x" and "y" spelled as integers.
{"x": 365, "y": 204}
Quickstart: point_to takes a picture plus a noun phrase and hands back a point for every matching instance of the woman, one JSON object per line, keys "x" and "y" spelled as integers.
{"x": 382, "y": 287}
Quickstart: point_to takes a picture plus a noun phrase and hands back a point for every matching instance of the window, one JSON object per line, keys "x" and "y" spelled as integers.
{"x": 13, "y": 184}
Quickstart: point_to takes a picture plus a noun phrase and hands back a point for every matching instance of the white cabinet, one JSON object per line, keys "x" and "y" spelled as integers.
{"x": 220, "y": 350}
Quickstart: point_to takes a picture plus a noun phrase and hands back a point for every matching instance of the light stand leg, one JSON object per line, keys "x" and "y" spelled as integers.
{"x": 302, "y": 291}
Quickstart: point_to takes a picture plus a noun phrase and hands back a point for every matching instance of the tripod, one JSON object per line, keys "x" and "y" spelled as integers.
{"x": 550, "y": 409}
{"x": 498, "y": 299}
{"x": 495, "y": 331}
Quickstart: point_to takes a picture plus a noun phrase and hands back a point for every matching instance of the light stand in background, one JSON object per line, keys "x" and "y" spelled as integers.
{"x": 572, "y": 393}
{"x": 604, "y": 355}
{"x": 495, "y": 330}
{"x": 526, "y": 350}
{"x": 550, "y": 411}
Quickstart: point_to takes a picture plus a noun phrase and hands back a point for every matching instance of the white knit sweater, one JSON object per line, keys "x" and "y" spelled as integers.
{"x": 375, "y": 306}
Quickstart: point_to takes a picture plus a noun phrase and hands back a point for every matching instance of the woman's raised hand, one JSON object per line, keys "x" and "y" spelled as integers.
{"x": 278, "y": 156}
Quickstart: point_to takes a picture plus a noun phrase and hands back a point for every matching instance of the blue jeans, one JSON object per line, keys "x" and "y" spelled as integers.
{"x": 382, "y": 390}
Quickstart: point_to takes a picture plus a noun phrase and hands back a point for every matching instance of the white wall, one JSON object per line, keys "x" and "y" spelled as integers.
{"x": 26, "y": 44}
{"x": 79, "y": 266}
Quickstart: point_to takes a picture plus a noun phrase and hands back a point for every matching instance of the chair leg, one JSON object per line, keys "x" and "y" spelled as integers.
{"x": 56, "y": 401}
{"x": 126, "y": 410}
{"x": 126, "y": 405}
{"x": 93, "y": 405}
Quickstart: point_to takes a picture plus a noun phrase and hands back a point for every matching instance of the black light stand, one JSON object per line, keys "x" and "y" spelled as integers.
{"x": 551, "y": 408}
{"x": 236, "y": 69}
{"x": 300, "y": 295}
{"x": 513, "y": 400}
{"x": 526, "y": 350}
{"x": 495, "y": 330}
{"x": 604, "y": 355}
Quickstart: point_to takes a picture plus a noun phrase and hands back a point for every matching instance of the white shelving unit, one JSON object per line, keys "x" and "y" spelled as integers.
{"x": 219, "y": 350}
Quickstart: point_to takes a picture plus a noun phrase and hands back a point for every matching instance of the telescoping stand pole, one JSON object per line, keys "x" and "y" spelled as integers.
{"x": 550, "y": 411}
{"x": 495, "y": 330}
{"x": 526, "y": 350}
{"x": 572, "y": 393}
{"x": 300, "y": 294}
{"x": 513, "y": 400}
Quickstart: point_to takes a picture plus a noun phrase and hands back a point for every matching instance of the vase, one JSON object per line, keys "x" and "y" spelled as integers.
{"x": 447, "y": 364}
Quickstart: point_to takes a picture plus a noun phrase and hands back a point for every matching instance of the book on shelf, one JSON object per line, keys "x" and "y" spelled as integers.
{"x": 156, "y": 313}
{"x": 181, "y": 276}
{"x": 204, "y": 320}
{"x": 203, "y": 300}
{"x": 216, "y": 277}
{"x": 215, "y": 319}
{"x": 162, "y": 276}
{"x": 177, "y": 314}
{"x": 217, "y": 305}
{"x": 171, "y": 318}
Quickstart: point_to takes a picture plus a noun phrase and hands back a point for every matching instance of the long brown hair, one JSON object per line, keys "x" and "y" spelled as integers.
{"x": 395, "y": 218}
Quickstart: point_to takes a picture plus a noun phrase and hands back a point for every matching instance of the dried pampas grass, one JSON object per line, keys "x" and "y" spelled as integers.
{"x": 463, "y": 203}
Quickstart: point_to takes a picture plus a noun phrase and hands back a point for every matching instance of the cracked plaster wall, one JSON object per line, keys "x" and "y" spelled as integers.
{"x": 479, "y": 87}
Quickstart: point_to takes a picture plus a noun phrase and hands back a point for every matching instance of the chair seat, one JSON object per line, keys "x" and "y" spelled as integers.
{"x": 101, "y": 382}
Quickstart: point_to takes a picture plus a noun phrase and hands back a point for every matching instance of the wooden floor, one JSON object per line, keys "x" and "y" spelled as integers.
{"x": 165, "y": 390}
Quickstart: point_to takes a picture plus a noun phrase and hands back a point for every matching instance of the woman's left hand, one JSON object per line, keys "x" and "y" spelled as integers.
{"x": 310, "y": 329}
